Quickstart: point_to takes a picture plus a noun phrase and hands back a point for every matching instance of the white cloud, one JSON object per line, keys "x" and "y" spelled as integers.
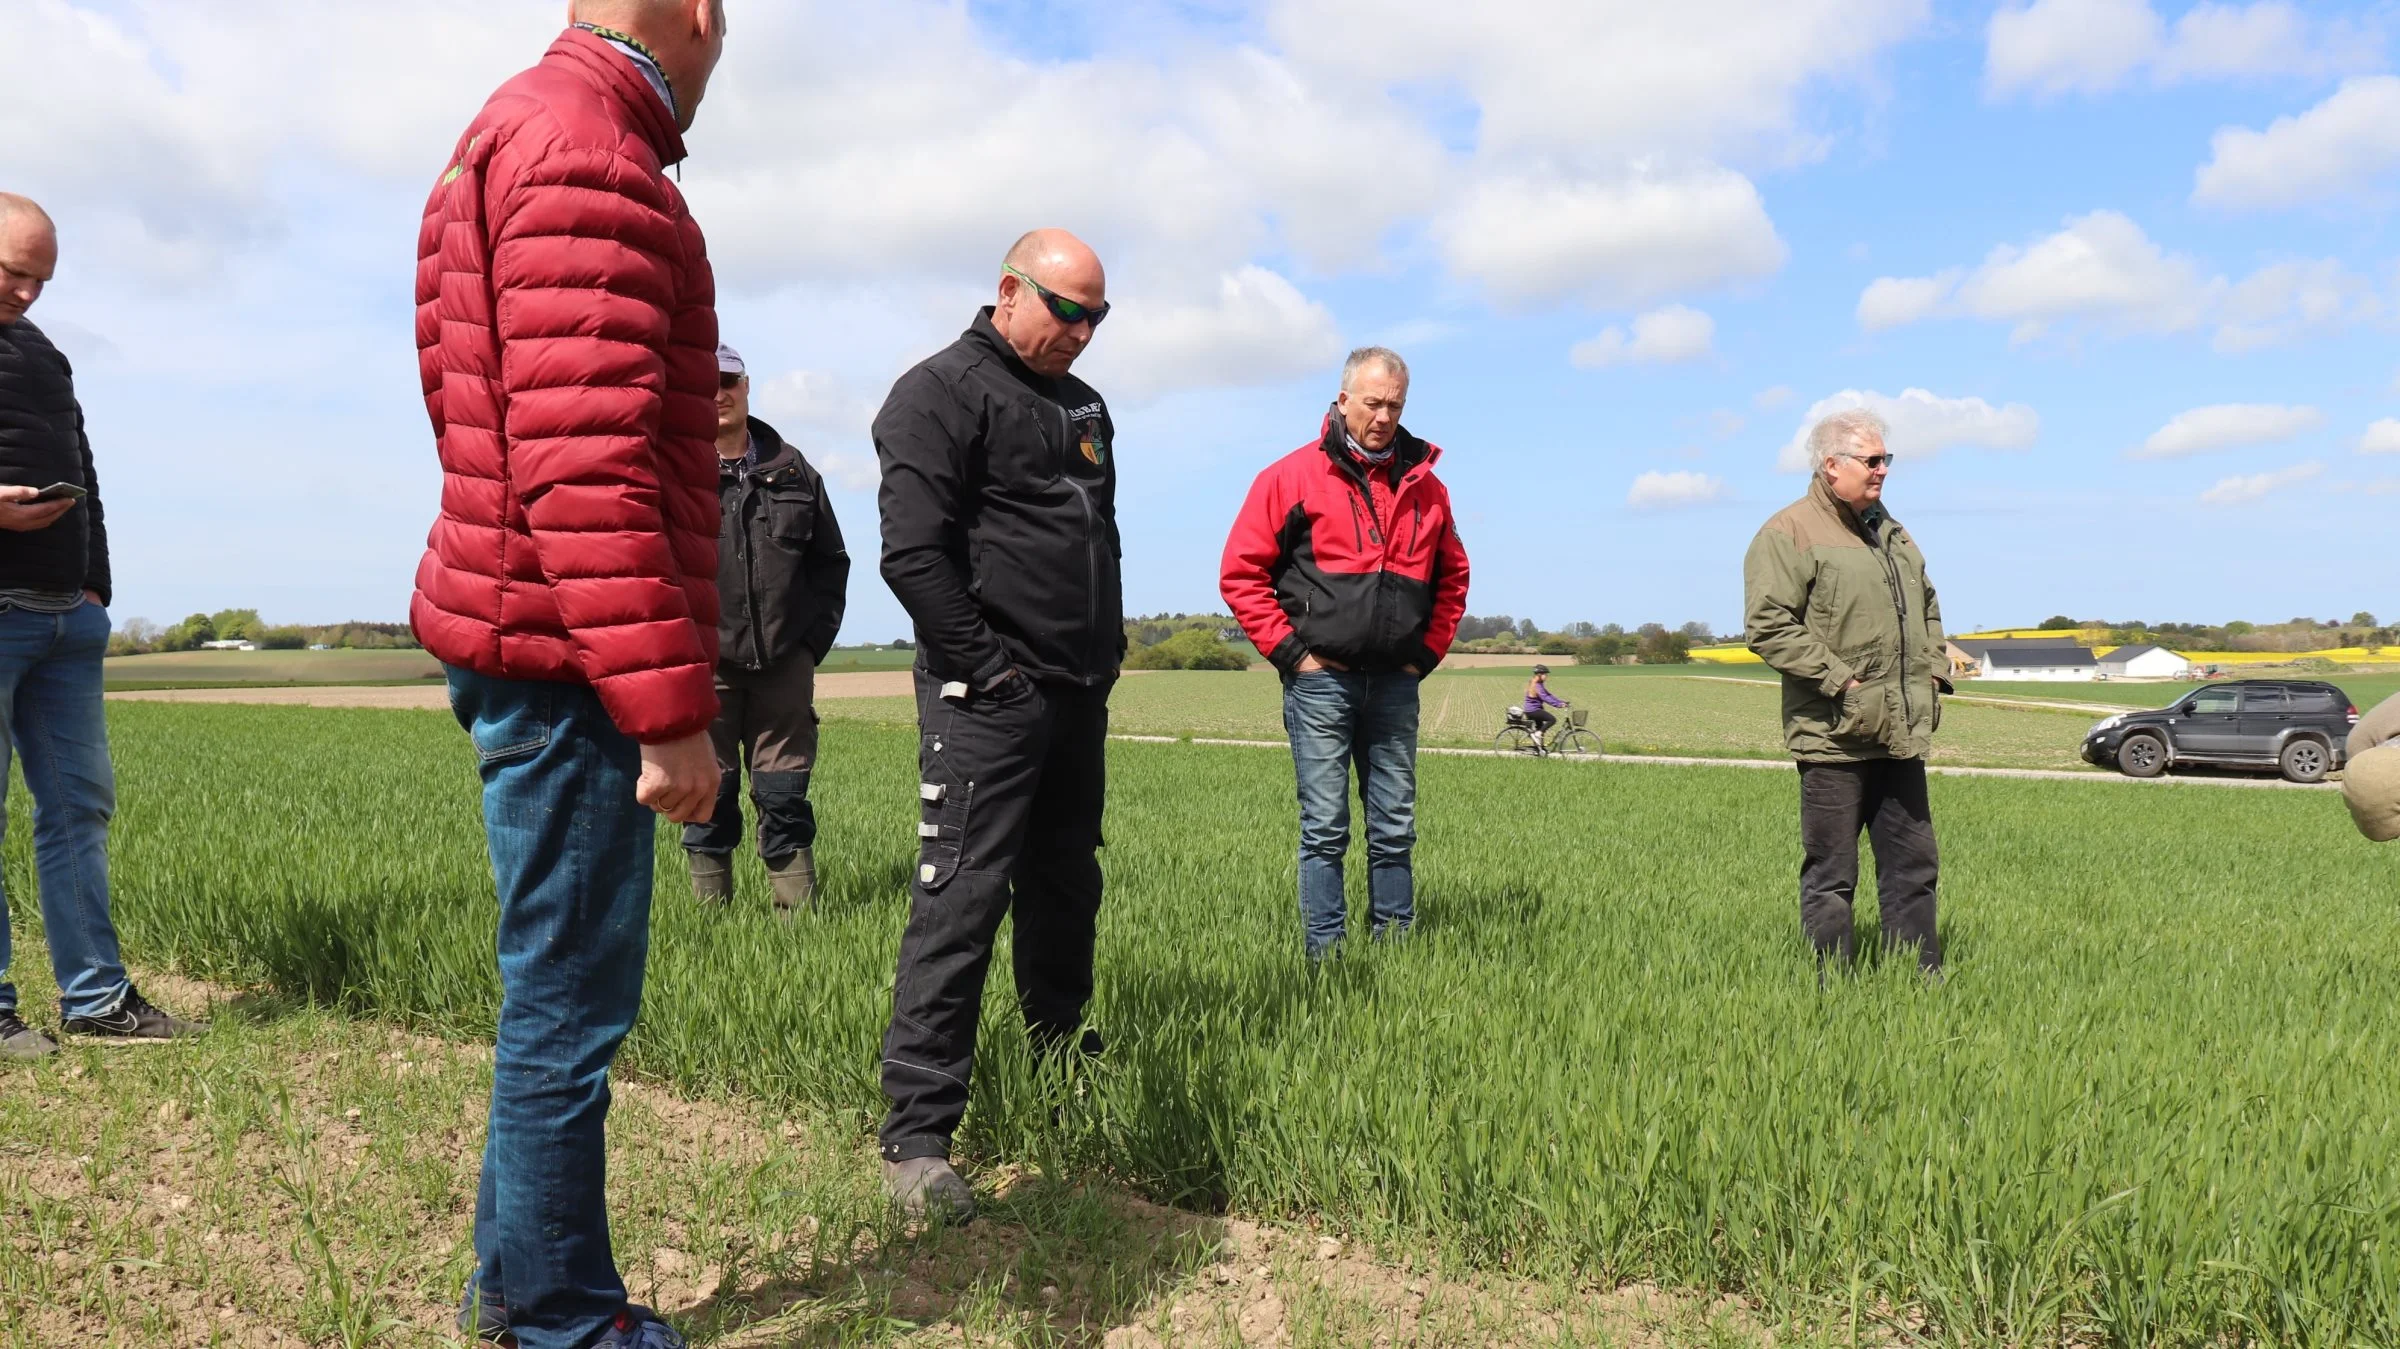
{"x": 1923, "y": 424}
{"x": 1665, "y": 491}
{"x": 2242, "y": 488}
{"x": 2055, "y": 47}
{"x": 2060, "y": 46}
{"x": 1674, "y": 333}
{"x": 1891, "y": 301}
{"x": 1589, "y": 83}
{"x": 2383, "y": 437}
{"x": 2343, "y": 147}
{"x": 2102, "y": 269}
{"x": 2223, "y": 426}
{"x": 2279, "y": 302}
{"x": 1769, "y": 399}
{"x": 1540, "y": 238}
{"x": 1256, "y": 328}
{"x": 1725, "y": 424}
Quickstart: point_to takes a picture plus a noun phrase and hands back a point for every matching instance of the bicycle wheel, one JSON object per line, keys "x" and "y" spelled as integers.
{"x": 1514, "y": 740}
{"x": 1577, "y": 743}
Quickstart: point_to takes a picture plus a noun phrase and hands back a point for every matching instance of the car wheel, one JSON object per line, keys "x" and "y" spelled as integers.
{"x": 2305, "y": 761}
{"x": 2142, "y": 756}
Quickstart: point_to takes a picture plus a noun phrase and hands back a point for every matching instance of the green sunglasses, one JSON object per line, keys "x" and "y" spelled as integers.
{"x": 1061, "y": 308}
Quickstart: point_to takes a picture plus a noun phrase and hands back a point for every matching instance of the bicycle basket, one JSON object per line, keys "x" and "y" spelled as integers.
{"x": 1578, "y": 719}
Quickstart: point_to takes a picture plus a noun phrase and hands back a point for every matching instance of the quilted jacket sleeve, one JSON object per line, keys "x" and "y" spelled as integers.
{"x": 1246, "y": 575}
{"x": 586, "y": 261}
{"x": 96, "y": 577}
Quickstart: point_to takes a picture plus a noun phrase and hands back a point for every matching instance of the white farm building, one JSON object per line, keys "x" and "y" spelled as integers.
{"x": 2144, "y": 661}
{"x": 2051, "y": 659}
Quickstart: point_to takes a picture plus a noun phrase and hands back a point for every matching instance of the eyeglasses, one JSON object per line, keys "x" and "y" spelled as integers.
{"x": 1871, "y": 461}
{"x": 728, "y": 380}
{"x": 1061, "y": 308}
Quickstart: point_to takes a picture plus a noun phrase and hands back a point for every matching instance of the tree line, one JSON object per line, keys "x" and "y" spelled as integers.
{"x": 140, "y": 636}
{"x": 1215, "y": 642}
{"x": 2298, "y": 634}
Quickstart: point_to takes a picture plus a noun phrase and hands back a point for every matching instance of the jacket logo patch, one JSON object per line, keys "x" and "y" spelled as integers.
{"x": 1091, "y": 442}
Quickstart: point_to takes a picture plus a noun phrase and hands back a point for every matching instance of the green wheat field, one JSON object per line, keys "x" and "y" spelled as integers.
{"x": 2154, "y": 1102}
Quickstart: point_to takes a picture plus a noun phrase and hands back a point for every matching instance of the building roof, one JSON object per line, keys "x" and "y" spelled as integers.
{"x": 2127, "y": 653}
{"x": 2036, "y": 656}
{"x": 1978, "y": 647}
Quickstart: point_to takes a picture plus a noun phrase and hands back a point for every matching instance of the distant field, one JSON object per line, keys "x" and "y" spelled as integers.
{"x": 246, "y": 669}
{"x": 225, "y": 669}
{"x": 861, "y": 658}
{"x": 1673, "y": 709}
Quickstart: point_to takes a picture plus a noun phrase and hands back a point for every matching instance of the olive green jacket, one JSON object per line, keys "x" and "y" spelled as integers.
{"x": 1832, "y": 595}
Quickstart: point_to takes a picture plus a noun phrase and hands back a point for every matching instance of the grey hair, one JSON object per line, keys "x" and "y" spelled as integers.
{"x": 1383, "y": 356}
{"x": 1843, "y": 432}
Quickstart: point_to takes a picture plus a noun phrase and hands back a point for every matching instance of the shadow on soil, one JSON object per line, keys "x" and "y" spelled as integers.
{"x": 1066, "y": 1264}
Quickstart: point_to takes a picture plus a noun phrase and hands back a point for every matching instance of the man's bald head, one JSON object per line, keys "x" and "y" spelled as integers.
{"x": 28, "y": 254}
{"x": 1058, "y": 262}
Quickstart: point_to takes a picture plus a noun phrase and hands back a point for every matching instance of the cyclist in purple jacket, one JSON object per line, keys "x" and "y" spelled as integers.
{"x": 1538, "y": 702}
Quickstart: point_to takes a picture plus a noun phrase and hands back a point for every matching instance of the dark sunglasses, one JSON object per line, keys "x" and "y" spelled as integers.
{"x": 729, "y": 381}
{"x": 1871, "y": 461}
{"x": 1061, "y": 308}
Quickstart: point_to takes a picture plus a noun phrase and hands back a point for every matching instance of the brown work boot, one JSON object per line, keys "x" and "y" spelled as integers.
{"x": 712, "y": 877}
{"x": 795, "y": 881}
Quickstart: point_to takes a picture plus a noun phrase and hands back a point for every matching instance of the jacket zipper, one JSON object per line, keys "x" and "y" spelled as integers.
{"x": 1891, "y": 579}
{"x": 1091, "y": 546}
{"x": 744, "y": 492}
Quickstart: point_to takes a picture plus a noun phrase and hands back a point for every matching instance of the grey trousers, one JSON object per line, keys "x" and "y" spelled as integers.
{"x": 767, "y": 723}
{"x": 1885, "y": 798}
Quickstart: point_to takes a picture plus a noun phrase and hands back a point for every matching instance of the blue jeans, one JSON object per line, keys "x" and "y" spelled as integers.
{"x": 1335, "y": 719}
{"x": 50, "y": 708}
{"x": 571, "y": 858}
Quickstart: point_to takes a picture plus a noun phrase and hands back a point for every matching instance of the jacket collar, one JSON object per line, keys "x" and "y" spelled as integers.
{"x": 1869, "y": 522}
{"x": 593, "y": 59}
{"x": 774, "y": 452}
{"x": 1409, "y": 454}
{"x": 983, "y": 334}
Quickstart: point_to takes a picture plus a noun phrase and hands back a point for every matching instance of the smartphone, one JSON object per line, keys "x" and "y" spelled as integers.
{"x": 59, "y": 491}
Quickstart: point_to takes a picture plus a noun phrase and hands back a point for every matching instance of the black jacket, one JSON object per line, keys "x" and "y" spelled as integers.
{"x": 782, "y": 573}
{"x": 42, "y": 442}
{"x": 1000, "y": 517}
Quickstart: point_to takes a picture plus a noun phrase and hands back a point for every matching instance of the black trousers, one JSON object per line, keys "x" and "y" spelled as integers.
{"x": 1014, "y": 783}
{"x": 1886, "y": 798}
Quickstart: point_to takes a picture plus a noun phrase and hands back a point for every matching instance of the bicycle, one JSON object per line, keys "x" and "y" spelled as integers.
{"x": 1571, "y": 738}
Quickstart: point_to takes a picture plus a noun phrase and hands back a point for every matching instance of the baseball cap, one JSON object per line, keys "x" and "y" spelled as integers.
{"x": 729, "y": 361}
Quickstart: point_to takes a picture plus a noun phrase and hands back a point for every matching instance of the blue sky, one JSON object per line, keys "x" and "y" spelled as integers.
{"x": 2131, "y": 256}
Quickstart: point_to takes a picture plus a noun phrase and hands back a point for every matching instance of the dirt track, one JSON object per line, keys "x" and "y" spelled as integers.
{"x": 435, "y": 697}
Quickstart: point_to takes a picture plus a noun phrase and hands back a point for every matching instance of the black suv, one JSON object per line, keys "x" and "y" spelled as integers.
{"x": 2293, "y": 726}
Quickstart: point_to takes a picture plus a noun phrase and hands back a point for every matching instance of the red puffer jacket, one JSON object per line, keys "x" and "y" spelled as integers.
{"x": 567, "y": 334}
{"x": 1361, "y": 568}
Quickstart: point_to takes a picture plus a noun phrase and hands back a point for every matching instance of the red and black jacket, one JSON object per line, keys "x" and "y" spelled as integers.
{"x": 1361, "y": 566}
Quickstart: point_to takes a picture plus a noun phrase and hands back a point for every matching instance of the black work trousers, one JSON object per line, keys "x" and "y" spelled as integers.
{"x": 1014, "y": 782}
{"x": 1886, "y": 798}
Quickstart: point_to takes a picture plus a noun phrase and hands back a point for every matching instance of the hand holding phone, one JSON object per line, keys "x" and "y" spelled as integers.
{"x": 24, "y": 510}
{"x": 60, "y": 491}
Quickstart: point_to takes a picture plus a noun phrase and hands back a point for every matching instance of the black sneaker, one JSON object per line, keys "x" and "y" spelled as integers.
{"x": 135, "y": 1022}
{"x": 20, "y": 1041}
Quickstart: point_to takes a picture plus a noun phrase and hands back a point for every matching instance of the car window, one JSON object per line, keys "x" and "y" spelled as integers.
{"x": 2216, "y": 702}
{"x": 2266, "y": 700}
{"x": 2316, "y": 700}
